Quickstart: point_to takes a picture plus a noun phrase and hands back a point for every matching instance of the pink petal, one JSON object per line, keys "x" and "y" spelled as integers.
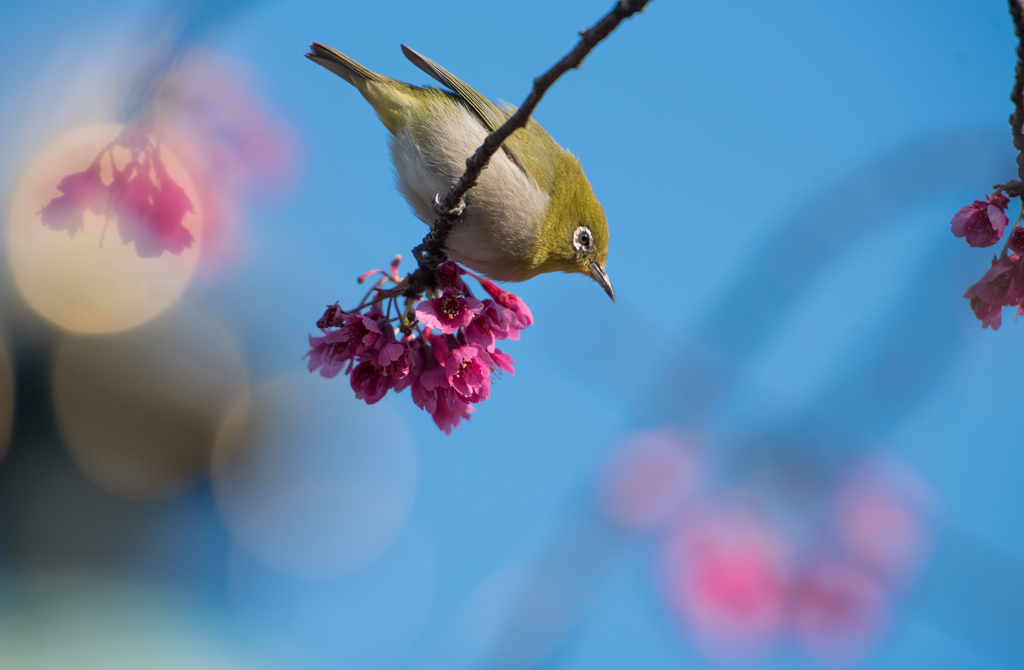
{"x": 998, "y": 219}
{"x": 390, "y": 353}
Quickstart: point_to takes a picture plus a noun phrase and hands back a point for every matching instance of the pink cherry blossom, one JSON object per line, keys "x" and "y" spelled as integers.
{"x": 333, "y": 316}
{"x": 408, "y": 373}
{"x": 449, "y": 277}
{"x": 393, "y": 358}
{"x": 1016, "y": 241}
{"x": 423, "y": 397}
{"x": 446, "y": 356}
{"x": 450, "y": 411}
{"x": 328, "y": 354}
{"x": 502, "y": 361}
{"x": 429, "y": 376}
{"x": 362, "y": 332}
{"x": 369, "y": 382}
{"x": 989, "y": 315}
{"x": 1003, "y": 284}
{"x": 469, "y": 372}
{"x": 983, "y": 221}
{"x": 390, "y": 353}
{"x": 509, "y": 301}
{"x": 494, "y": 322}
{"x": 449, "y": 312}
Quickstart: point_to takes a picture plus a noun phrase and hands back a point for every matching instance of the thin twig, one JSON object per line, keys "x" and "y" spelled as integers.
{"x": 430, "y": 253}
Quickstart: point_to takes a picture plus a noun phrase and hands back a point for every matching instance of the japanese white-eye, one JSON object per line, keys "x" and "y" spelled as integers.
{"x": 532, "y": 209}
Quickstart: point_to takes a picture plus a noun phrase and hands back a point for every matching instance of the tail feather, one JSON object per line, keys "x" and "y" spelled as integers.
{"x": 341, "y": 65}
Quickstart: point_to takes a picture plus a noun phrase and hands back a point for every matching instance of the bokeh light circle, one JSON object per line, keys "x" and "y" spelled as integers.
{"x": 92, "y": 282}
{"x": 139, "y": 410}
{"x": 310, "y": 481}
{"x": 55, "y": 620}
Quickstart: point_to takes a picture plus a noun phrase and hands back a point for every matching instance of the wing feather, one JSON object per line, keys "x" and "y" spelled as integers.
{"x": 488, "y": 112}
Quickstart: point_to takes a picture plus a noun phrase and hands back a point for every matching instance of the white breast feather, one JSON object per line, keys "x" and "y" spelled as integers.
{"x": 503, "y": 210}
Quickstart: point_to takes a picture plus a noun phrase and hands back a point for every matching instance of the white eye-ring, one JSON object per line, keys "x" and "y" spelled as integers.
{"x": 582, "y": 239}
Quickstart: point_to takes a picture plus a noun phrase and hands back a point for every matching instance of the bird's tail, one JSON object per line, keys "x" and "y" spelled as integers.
{"x": 342, "y": 65}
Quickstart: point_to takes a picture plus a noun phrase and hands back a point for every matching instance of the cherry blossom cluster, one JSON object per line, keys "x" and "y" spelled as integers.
{"x": 442, "y": 348}
{"x": 982, "y": 224}
{"x": 147, "y": 204}
{"x": 748, "y": 571}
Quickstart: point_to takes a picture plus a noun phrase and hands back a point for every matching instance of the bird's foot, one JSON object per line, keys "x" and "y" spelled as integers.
{"x": 441, "y": 210}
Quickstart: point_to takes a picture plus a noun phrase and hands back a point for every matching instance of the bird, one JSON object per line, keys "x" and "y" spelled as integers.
{"x": 532, "y": 210}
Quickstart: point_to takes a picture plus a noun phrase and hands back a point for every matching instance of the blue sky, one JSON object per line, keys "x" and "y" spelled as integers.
{"x": 778, "y": 178}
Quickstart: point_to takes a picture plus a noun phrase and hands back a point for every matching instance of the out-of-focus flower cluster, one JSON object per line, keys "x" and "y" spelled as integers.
{"x": 746, "y": 571}
{"x": 147, "y": 204}
{"x": 442, "y": 348}
{"x": 235, "y": 145}
{"x": 982, "y": 224}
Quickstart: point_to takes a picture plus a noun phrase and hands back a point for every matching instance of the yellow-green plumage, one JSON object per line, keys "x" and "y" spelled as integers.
{"x": 526, "y": 213}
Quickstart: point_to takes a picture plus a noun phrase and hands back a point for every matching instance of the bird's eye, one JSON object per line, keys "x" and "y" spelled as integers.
{"x": 582, "y": 239}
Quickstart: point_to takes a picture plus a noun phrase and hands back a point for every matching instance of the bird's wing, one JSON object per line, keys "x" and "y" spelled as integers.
{"x": 491, "y": 115}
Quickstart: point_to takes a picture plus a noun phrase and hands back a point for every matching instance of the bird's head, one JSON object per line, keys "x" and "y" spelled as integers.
{"x": 573, "y": 234}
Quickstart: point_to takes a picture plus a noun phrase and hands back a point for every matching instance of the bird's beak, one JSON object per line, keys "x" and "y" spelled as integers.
{"x": 601, "y": 277}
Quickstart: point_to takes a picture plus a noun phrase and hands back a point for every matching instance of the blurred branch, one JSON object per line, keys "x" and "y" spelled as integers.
{"x": 449, "y": 209}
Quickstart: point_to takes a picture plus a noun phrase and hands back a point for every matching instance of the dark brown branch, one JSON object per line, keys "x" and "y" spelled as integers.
{"x": 430, "y": 253}
{"x": 1017, "y": 96}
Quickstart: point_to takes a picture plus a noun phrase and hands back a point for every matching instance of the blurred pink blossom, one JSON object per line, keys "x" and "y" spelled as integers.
{"x": 80, "y": 191}
{"x": 149, "y": 206}
{"x": 744, "y": 577}
{"x": 882, "y": 518}
{"x": 647, "y": 479}
{"x": 233, "y": 142}
{"x": 729, "y": 573}
{"x": 839, "y": 610}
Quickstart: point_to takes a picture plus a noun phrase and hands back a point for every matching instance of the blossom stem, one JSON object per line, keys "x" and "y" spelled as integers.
{"x": 363, "y": 303}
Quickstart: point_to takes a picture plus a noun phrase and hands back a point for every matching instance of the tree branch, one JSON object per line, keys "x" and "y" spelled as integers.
{"x": 1017, "y": 95}
{"x": 430, "y": 253}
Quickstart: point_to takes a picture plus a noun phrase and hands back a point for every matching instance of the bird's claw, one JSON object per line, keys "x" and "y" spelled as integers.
{"x": 441, "y": 210}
